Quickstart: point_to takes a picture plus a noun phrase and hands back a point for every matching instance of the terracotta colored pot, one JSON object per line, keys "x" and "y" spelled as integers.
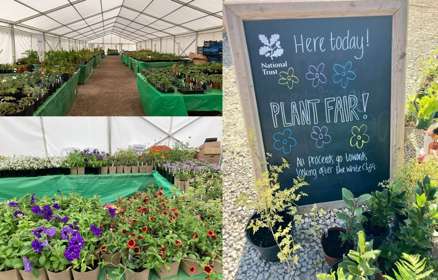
{"x": 330, "y": 261}
{"x": 149, "y": 169}
{"x": 112, "y": 170}
{"x": 104, "y": 170}
{"x": 119, "y": 169}
{"x": 29, "y": 275}
{"x": 142, "y": 169}
{"x": 89, "y": 275}
{"x": 132, "y": 275}
{"x": 9, "y": 275}
{"x": 191, "y": 267}
{"x": 217, "y": 266}
{"x": 63, "y": 275}
{"x": 134, "y": 169}
{"x": 81, "y": 170}
{"x": 126, "y": 169}
{"x": 112, "y": 259}
{"x": 168, "y": 270}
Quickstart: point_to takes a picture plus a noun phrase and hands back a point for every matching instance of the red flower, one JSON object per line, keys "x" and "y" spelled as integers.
{"x": 192, "y": 269}
{"x": 162, "y": 252}
{"x": 124, "y": 231}
{"x": 195, "y": 235}
{"x": 211, "y": 234}
{"x": 165, "y": 212}
{"x": 159, "y": 193}
{"x": 145, "y": 229}
{"x": 103, "y": 249}
{"x": 208, "y": 269}
{"x": 146, "y": 199}
{"x": 178, "y": 243}
{"x": 152, "y": 219}
{"x": 131, "y": 244}
{"x": 140, "y": 237}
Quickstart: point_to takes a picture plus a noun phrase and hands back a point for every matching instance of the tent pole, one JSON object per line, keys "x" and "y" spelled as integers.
{"x": 174, "y": 44}
{"x": 14, "y": 54}
{"x": 109, "y": 135}
{"x": 43, "y": 132}
{"x": 44, "y": 46}
{"x": 161, "y": 43}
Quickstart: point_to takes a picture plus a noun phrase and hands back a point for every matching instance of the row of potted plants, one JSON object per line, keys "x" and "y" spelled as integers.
{"x": 400, "y": 218}
{"x": 27, "y": 63}
{"x": 72, "y": 237}
{"x": 152, "y": 56}
{"x": 185, "y": 78}
{"x": 23, "y": 92}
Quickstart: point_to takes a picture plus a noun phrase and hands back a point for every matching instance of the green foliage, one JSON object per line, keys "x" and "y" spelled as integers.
{"x": 126, "y": 157}
{"x": 361, "y": 264}
{"x": 31, "y": 57}
{"x": 75, "y": 159}
{"x": 148, "y": 55}
{"x": 352, "y": 217}
{"x": 410, "y": 267}
{"x": 271, "y": 202}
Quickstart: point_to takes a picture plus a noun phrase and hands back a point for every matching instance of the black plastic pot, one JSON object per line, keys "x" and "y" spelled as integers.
{"x": 263, "y": 240}
{"x": 333, "y": 246}
{"x": 92, "y": 170}
{"x": 374, "y": 232}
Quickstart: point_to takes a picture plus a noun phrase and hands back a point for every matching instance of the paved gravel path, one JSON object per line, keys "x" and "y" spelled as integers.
{"x": 240, "y": 261}
{"x": 110, "y": 91}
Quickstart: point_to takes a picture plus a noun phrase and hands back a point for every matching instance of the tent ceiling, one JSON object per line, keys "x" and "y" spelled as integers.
{"x": 135, "y": 20}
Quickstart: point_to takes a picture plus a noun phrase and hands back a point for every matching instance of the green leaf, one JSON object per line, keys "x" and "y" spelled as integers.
{"x": 347, "y": 195}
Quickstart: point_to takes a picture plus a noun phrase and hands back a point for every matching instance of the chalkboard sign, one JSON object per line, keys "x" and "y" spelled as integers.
{"x": 323, "y": 95}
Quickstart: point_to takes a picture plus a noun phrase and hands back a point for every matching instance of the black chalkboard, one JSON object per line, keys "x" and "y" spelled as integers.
{"x": 323, "y": 91}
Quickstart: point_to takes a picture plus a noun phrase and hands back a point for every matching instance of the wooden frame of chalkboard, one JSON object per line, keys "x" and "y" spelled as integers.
{"x": 237, "y": 12}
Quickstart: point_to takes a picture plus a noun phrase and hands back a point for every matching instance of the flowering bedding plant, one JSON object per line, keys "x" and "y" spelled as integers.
{"x": 52, "y": 233}
{"x": 30, "y": 163}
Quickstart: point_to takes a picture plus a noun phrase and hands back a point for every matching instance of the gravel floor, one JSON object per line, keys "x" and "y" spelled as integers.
{"x": 240, "y": 260}
{"x": 110, "y": 91}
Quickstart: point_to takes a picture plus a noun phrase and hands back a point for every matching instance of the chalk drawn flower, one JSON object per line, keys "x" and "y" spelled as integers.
{"x": 359, "y": 137}
{"x": 316, "y": 75}
{"x": 271, "y": 47}
{"x": 321, "y": 136}
{"x": 343, "y": 74}
{"x": 288, "y": 78}
{"x": 284, "y": 141}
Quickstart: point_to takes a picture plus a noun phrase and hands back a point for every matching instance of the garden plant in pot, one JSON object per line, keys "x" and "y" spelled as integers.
{"x": 337, "y": 241}
{"x": 360, "y": 264}
{"x": 269, "y": 230}
{"x": 76, "y": 161}
{"x": 145, "y": 162}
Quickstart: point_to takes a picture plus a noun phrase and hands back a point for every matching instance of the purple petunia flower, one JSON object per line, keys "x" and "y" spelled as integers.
{"x": 27, "y": 264}
{"x": 50, "y": 232}
{"x": 47, "y": 212}
{"x": 36, "y": 210}
{"x": 18, "y": 214}
{"x": 65, "y": 233}
{"x": 13, "y": 204}
{"x": 38, "y": 246}
{"x": 76, "y": 239}
{"x": 38, "y": 231}
{"x": 72, "y": 252}
{"x": 97, "y": 231}
{"x": 112, "y": 212}
{"x": 56, "y": 206}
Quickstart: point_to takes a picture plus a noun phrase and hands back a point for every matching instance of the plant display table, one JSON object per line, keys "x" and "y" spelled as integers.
{"x": 108, "y": 187}
{"x": 155, "y": 103}
{"x": 60, "y": 103}
{"x": 85, "y": 71}
{"x": 153, "y": 276}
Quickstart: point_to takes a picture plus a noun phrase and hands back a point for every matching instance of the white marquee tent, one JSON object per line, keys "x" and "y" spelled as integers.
{"x": 55, "y": 136}
{"x": 175, "y": 26}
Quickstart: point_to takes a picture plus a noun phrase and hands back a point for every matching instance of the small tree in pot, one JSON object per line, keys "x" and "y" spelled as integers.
{"x": 76, "y": 161}
{"x": 269, "y": 230}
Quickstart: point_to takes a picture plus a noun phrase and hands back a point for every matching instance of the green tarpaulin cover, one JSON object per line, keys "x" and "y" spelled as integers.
{"x": 155, "y": 103}
{"x": 108, "y": 187}
{"x": 86, "y": 71}
{"x": 60, "y": 103}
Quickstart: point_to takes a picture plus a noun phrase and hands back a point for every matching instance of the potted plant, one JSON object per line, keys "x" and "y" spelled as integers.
{"x": 269, "y": 229}
{"x": 182, "y": 179}
{"x": 139, "y": 257}
{"x": 145, "y": 163}
{"x": 76, "y": 161}
{"x": 337, "y": 241}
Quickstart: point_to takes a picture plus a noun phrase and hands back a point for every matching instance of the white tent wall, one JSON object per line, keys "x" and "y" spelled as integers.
{"x": 57, "y": 135}
{"x": 5, "y": 45}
